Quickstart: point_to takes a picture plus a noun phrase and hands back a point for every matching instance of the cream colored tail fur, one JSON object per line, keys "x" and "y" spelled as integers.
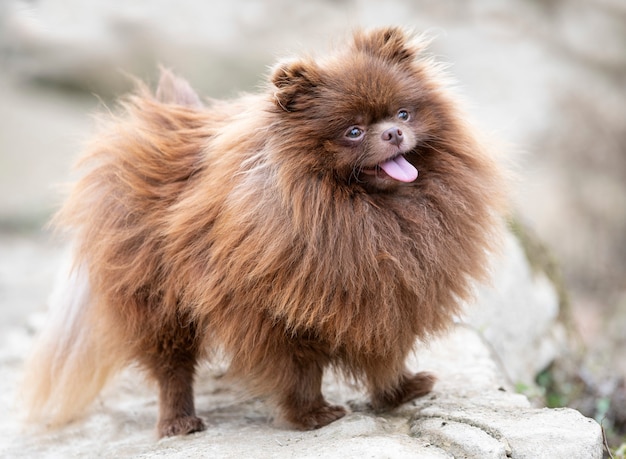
{"x": 72, "y": 359}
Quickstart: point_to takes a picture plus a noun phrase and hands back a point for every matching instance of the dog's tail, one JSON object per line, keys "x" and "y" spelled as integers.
{"x": 83, "y": 344}
{"x": 73, "y": 357}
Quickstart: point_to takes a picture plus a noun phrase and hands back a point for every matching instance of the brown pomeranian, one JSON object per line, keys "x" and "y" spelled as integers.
{"x": 327, "y": 222}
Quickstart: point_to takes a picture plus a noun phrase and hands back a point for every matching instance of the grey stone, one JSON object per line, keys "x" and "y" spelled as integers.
{"x": 471, "y": 414}
{"x": 518, "y": 314}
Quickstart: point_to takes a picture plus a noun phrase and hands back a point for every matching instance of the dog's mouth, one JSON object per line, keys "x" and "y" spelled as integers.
{"x": 396, "y": 168}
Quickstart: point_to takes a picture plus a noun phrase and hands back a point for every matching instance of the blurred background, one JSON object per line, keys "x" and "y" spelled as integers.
{"x": 545, "y": 78}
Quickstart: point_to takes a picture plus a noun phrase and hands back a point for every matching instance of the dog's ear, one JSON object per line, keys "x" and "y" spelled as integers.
{"x": 295, "y": 81}
{"x": 175, "y": 90}
{"x": 389, "y": 43}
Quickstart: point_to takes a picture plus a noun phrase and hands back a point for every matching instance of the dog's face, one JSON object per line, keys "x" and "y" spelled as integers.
{"x": 362, "y": 114}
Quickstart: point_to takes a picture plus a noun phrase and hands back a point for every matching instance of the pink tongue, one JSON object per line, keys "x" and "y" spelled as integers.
{"x": 400, "y": 169}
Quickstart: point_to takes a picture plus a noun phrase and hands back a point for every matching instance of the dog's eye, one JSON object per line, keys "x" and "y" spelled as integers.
{"x": 354, "y": 133}
{"x": 403, "y": 115}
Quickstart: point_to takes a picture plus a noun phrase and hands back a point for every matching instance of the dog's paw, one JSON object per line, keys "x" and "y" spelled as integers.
{"x": 315, "y": 418}
{"x": 410, "y": 387}
{"x": 180, "y": 426}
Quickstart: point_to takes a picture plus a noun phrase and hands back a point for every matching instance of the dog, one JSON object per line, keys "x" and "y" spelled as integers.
{"x": 329, "y": 221}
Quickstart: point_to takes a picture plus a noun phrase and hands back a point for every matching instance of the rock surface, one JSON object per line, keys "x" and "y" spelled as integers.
{"x": 472, "y": 413}
{"x": 518, "y": 314}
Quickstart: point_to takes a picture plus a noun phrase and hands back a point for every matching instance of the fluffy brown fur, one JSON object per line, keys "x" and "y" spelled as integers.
{"x": 267, "y": 227}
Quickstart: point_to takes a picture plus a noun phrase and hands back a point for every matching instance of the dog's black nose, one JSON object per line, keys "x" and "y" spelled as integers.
{"x": 393, "y": 135}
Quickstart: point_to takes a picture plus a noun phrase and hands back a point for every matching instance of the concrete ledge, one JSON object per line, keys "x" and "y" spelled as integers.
{"x": 471, "y": 414}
